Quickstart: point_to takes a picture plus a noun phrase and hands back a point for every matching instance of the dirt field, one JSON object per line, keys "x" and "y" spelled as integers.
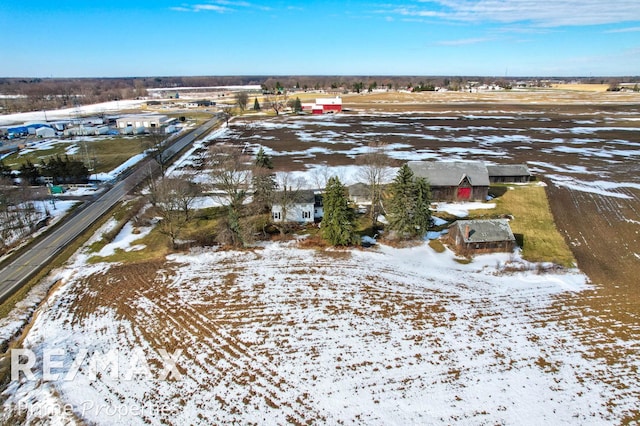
{"x": 280, "y": 334}
{"x": 585, "y": 145}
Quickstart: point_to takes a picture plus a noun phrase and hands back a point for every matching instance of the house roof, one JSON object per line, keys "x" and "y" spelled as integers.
{"x": 302, "y": 197}
{"x": 509, "y": 170}
{"x": 359, "y": 190}
{"x": 485, "y": 230}
{"x": 139, "y": 117}
{"x": 329, "y": 101}
{"x": 451, "y": 173}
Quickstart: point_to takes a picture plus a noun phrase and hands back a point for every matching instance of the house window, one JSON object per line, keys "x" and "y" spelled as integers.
{"x": 306, "y": 215}
{"x": 276, "y": 216}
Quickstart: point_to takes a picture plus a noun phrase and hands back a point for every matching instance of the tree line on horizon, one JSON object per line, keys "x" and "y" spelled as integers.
{"x": 33, "y": 94}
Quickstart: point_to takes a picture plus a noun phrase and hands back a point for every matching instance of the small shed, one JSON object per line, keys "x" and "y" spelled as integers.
{"x": 360, "y": 194}
{"x": 509, "y": 173}
{"x": 481, "y": 236}
{"x": 56, "y": 190}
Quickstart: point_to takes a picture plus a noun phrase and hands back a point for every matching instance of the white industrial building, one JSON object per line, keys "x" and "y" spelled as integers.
{"x": 146, "y": 121}
{"x": 45, "y": 132}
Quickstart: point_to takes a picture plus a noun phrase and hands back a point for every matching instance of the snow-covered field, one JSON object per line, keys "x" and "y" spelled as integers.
{"x": 66, "y": 113}
{"x": 282, "y": 334}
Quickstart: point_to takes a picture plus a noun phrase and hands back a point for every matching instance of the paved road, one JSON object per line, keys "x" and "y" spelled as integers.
{"x": 25, "y": 266}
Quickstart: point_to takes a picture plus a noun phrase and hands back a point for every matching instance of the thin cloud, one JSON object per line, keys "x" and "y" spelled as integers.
{"x": 219, "y": 6}
{"x": 463, "y": 42}
{"x": 624, "y": 30}
{"x": 201, "y": 7}
{"x": 549, "y": 14}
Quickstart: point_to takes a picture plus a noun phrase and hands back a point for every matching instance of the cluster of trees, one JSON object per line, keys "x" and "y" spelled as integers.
{"x": 235, "y": 177}
{"x": 407, "y": 199}
{"x": 53, "y": 93}
{"x": 18, "y": 214}
{"x": 248, "y": 187}
{"x": 50, "y": 93}
{"x": 61, "y": 170}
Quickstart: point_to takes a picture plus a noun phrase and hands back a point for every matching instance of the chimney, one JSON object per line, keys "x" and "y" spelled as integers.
{"x": 466, "y": 232}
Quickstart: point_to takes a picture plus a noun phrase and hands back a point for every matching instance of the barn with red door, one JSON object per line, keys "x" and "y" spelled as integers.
{"x": 324, "y": 106}
{"x": 454, "y": 180}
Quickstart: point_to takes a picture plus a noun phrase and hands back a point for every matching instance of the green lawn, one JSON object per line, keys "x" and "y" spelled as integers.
{"x": 112, "y": 152}
{"x": 109, "y": 152}
{"x": 533, "y": 220}
{"x": 16, "y": 159}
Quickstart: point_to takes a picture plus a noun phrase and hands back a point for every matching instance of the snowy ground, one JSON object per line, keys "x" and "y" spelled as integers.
{"x": 282, "y": 334}
{"x": 379, "y": 336}
{"x": 66, "y": 113}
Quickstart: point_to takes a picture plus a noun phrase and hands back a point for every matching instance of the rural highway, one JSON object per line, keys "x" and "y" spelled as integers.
{"x": 22, "y": 268}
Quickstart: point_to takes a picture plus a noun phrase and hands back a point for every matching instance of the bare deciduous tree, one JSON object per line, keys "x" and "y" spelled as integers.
{"x": 186, "y": 193}
{"x": 374, "y": 171}
{"x": 155, "y": 145}
{"x": 242, "y": 98}
{"x": 320, "y": 176}
{"x": 173, "y": 201}
{"x": 276, "y": 96}
{"x": 231, "y": 172}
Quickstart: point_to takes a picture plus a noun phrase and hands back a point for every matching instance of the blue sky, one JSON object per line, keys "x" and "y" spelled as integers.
{"x": 226, "y": 37}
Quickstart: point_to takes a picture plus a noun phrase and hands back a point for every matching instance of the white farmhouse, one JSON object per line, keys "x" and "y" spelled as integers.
{"x": 301, "y": 210}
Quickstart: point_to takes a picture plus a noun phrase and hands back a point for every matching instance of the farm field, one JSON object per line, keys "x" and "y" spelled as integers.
{"x": 283, "y": 334}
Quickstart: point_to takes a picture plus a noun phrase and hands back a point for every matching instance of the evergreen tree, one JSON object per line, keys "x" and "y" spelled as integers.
{"x": 338, "y": 223}
{"x": 297, "y": 105}
{"x": 65, "y": 170}
{"x": 256, "y": 105}
{"x": 421, "y": 212}
{"x": 29, "y": 172}
{"x": 263, "y": 160}
{"x": 5, "y": 171}
{"x": 263, "y": 182}
{"x": 400, "y": 205}
{"x": 408, "y": 206}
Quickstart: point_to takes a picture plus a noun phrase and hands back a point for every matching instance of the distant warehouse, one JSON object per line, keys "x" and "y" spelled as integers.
{"x": 145, "y": 121}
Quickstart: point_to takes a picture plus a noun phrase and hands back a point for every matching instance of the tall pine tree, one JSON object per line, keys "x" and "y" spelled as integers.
{"x": 256, "y": 105}
{"x": 263, "y": 182}
{"x": 297, "y": 105}
{"x": 408, "y": 205}
{"x": 338, "y": 223}
{"x": 421, "y": 212}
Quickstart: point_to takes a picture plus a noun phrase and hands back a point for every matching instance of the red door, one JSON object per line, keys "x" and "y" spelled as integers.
{"x": 464, "y": 193}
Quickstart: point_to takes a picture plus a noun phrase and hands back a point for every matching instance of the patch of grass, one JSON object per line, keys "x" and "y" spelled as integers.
{"x": 532, "y": 218}
{"x": 17, "y": 159}
{"x": 112, "y": 152}
{"x": 156, "y": 247}
{"x": 198, "y": 117}
{"x": 437, "y": 246}
{"x": 122, "y": 214}
{"x": 108, "y": 152}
